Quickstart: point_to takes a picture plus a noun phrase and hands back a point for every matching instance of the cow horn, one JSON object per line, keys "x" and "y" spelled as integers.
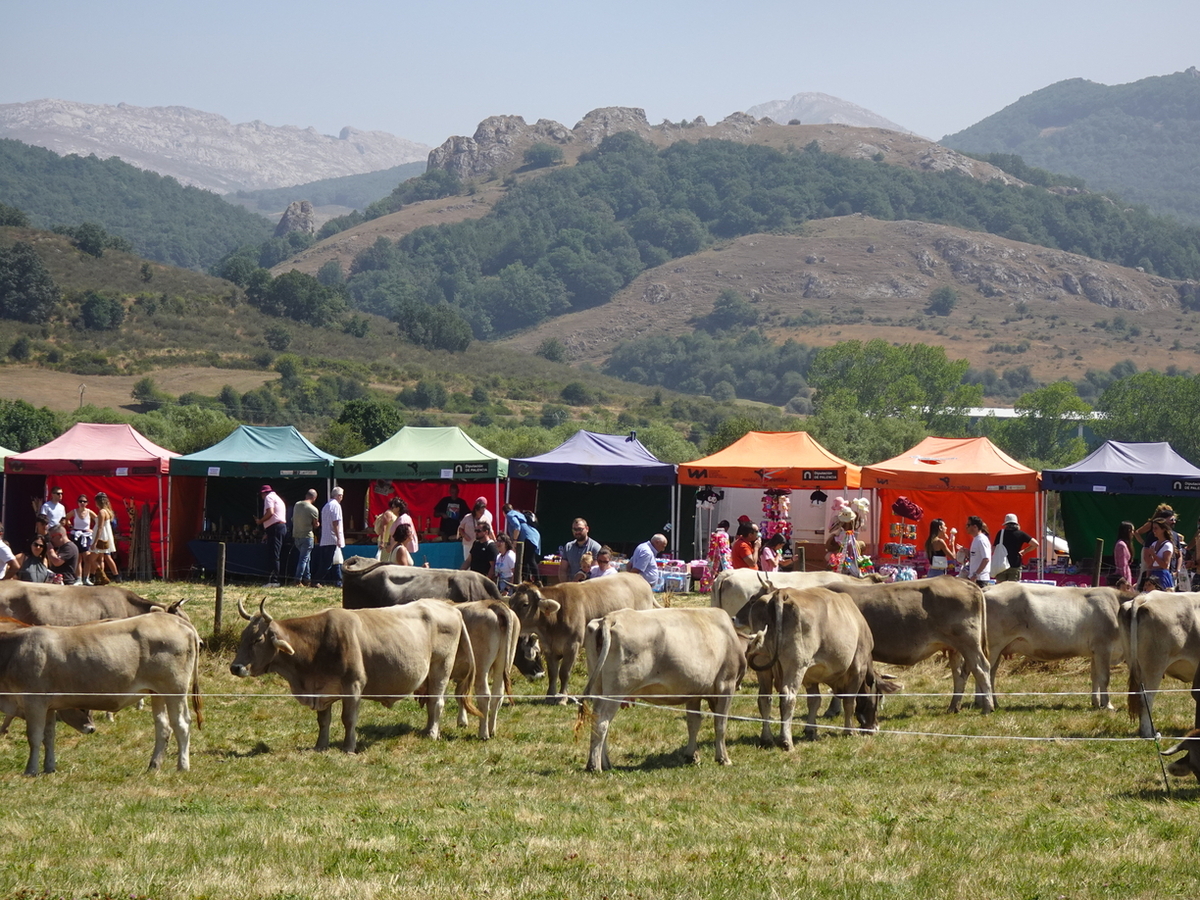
{"x": 262, "y": 609}
{"x": 1177, "y": 748}
{"x": 242, "y": 610}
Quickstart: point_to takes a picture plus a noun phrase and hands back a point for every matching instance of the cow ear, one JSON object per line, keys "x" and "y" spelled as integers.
{"x": 282, "y": 646}
{"x": 549, "y": 606}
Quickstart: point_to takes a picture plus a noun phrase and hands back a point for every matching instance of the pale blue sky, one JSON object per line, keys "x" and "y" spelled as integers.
{"x": 426, "y": 70}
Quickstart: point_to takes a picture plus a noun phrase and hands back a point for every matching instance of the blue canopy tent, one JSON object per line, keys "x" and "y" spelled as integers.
{"x": 639, "y": 497}
{"x": 1122, "y": 482}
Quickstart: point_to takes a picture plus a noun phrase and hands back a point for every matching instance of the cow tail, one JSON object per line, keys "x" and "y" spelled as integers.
{"x": 467, "y": 697}
{"x": 512, "y": 635}
{"x": 1133, "y": 695}
{"x": 603, "y": 642}
{"x": 197, "y": 700}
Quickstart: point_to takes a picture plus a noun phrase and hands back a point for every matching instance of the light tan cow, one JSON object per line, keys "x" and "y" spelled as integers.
{"x": 57, "y": 604}
{"x": 494, "y": 630}
{"x": 1164, "y": 639}
{"x": 811, "y": 637}
{"x": 734, "y": 588}
{"x": 105, "y": 666}
{"x": 1048, "y": 623}
{"x": 672, "y": 657}
{"x": 359, "y": 654}
{"x": 912, "y": 620}
{"x": 558, "y": 614}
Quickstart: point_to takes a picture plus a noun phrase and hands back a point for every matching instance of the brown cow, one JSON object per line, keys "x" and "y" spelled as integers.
{"x": 494, "y": 630}
{"x": 663, "y": 656}
{"x": 368, "y": 584}
{"x": 912, "y": 620}
{"x": 812, "y": 637}
{"x": 356, "y": 654}
{"x": 1189, "y": 763}
{"x": 104, "y": 665}
{"x": 734, "y": 588}
{"x": 56, "y": 604}
{"x": 1164, "y": 639}
{"x": 558, "y": 614}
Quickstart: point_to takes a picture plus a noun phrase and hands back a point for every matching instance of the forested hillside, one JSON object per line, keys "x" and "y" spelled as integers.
{"x": 163, "y": 220}
{"x": 1140, "y": 141}
{"x": 571, "y": 239}
{"x": 354, "y": 191}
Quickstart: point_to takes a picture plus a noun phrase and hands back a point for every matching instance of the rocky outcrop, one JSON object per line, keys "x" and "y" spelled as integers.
{"x": 297, "y": 217}
{"x": 203, "y": 149}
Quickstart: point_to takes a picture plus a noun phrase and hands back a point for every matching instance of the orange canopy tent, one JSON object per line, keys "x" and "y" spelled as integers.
{"x": 952, "y": 478}
{"x": 772, "y": 459}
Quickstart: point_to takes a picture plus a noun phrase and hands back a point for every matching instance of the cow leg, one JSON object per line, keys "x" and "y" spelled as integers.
{"x": 692, "y": 751}
{"x": 603, "y": 711}
{"x": 765, "y": 690}
{"x": 564, "y": 671}
{"x": 835, "y": 708}
{"x": 36, "y": 716}
{"x": 787, "y": 710}
{"x": 48, "y": 737}
{"x": 162, "y": 731}
{"x": 324, "y": 717}
{"x": 978, "y": 667}
{"x": 1151, "y": 682}
{"x": 851, "y": 704}
{"x": 720, "y": 709}
{"x": 181, "y": 722}
{"x": 350, "y": 704}
{"x": 553, "y": 664}
{"x": 1101, "y": 666}
{"x": 814, "y": 709}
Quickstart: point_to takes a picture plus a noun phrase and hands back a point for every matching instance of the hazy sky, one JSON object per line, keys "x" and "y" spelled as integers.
{"x": 425, "y": 71}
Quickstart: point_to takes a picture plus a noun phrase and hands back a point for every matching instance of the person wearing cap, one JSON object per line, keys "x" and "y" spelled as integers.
{"x": 466, "y": 527}
{"x": 274, "y": 523}
{"x": 1013, "y": 542}
{"x": 746, "y": 546}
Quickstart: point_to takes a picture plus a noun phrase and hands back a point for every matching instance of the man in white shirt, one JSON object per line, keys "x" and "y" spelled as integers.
{"x": 333, "y": 538}
{"x": 643, "y": 560}
{"x": 53, "y": 509}
{"x": 8, "y": 559}
{"x": 978, "y": 567}
{"x": 274, "y": 523}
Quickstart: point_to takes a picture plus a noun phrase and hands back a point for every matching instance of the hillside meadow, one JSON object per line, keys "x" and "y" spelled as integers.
{"x": 1042, "y": 799}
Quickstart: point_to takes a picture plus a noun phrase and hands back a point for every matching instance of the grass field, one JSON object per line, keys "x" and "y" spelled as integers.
{"x": 902, "y": 814}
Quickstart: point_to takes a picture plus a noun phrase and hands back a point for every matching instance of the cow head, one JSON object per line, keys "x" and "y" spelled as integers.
{"x": 870, "y": 697}
{"x": 1189, "y": 763}
{"x": 529, "y": 604}
{"x": 261, "y": 643}
{"x": 528, "y": 659}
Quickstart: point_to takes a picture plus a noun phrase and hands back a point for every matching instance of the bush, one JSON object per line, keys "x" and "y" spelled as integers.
{"x": 101, "y": 313}
{"x": 576, "y": 393}
{"x": 278, "y": 338}
{"x": 541, "y": 155}
{"x": 552, "y": 349}
{"x": 942, "y": 302}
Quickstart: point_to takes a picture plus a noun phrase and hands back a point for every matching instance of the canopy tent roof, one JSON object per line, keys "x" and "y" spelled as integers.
{"x": 1119, "y": 468}
{"x": 257, "y": 451}
{"x": 952, "y": 464}
{"x": 5, "y": 452}
{"x": 425, "y": 454}
{"x": 590, "y": 458}
{"x": 765, "y": 459}
{"x": 90, "y": 449}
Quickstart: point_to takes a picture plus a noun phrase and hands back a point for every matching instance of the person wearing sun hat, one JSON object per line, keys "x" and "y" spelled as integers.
{"x": 274, "y": 523}
{"x": 1013, "y": 542}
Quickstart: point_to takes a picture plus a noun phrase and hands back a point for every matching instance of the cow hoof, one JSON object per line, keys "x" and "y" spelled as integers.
{"x": 789, "y": 746}
{"x": 724, "y": 761}
{"x": 766, "y": 744}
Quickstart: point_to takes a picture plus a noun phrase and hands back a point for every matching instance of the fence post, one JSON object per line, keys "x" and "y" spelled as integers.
{"x": 1099, "y": 561}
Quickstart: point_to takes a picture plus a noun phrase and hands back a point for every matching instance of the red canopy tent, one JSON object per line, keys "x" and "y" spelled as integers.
{"x": 88, "y": 458}
{"x": 952, "y": 478}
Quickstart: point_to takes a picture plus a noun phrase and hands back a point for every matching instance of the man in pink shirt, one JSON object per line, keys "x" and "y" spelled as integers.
{"x": 274, "y": 523}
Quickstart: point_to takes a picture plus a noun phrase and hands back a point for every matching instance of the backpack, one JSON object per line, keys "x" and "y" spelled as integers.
{"x": 530, "y": 518}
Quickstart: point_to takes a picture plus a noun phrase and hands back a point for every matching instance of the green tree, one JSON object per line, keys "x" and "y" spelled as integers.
{"x": 341, "y": 440}
{"x": 576, "y": 393}
{"x": 942, "y": 301}
{"x": 27, "y": 292}
{"x": 278, "y": 338}
{"x": 330, "y": 274}
{"x": 552, "y": 349}
{"x": 22, "y": 427}
{"x": 372, "y": 420}
{"x": 12, "y": 217}
{"x": 21, "y": 349}
{"x": 1151, "y": 406}
{"x": 1044, "y": 434}
{"x": 146, "y": 392}
{"x": 542, "y": 155}
{"x": 101, "y": 313}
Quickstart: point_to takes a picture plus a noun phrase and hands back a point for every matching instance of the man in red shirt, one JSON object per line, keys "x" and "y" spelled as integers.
{"x": 746, "y": 547}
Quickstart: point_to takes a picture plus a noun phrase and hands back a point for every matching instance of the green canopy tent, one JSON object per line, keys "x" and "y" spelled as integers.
{"x": 418, "y": 464}
{"x": 231, "y": 472}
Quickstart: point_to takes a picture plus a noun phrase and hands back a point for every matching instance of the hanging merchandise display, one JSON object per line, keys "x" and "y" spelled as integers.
{"x": 849, "y": 517}
{"x": 720, "y": 558}
{"x": 777, "y": 513}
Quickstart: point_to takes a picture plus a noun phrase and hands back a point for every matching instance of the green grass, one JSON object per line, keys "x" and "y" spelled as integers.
{"x": 890, "y": 816}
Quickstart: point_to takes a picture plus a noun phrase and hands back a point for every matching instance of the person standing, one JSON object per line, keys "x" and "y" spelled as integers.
{"x": 305, "y": 518}
{"x": 333, "y": 539}
{"x": 53, "y": 509}
{"x": 745, "y": 547}
{"x": 1158, "y": 554}
{"x": 1013, "y": 542}
{"x": 505, "y": 567}
{"x": 482, "y": 558}
{"x": 644, "y": 559}
{"x": 450, "y": 511}
{"x": 385, "y": 524}
{"x": 522, "y": 531}
{"x": 61, "y": 555}
{"x": 1123, "y": 553}
{"x": 940, "y": 548}
{"x": 100, "y": 564}
{"x": 768, "y": 557}
{"x": 9, "y": 566}
{"x": 572, "y": 554}
{"x": 466, "y": 527}
{"x": 406, "y": 539}
{"x": 977, "y": 566}
{"x": 274, "y": 524}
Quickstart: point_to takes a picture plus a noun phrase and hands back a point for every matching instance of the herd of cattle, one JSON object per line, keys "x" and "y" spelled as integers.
{"x": 402, "y": 632}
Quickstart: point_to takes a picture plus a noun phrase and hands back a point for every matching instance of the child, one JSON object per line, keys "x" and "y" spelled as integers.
{"x": 585, "y": 567}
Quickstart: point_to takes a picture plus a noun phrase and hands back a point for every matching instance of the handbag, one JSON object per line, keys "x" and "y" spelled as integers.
{"x": 101, "y": 544}
{"x": 907, "y": 509}
{"x": 999, "y": 559}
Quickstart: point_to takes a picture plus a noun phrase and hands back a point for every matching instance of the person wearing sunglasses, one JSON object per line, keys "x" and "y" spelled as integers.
{"x": 32, "y": 566}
